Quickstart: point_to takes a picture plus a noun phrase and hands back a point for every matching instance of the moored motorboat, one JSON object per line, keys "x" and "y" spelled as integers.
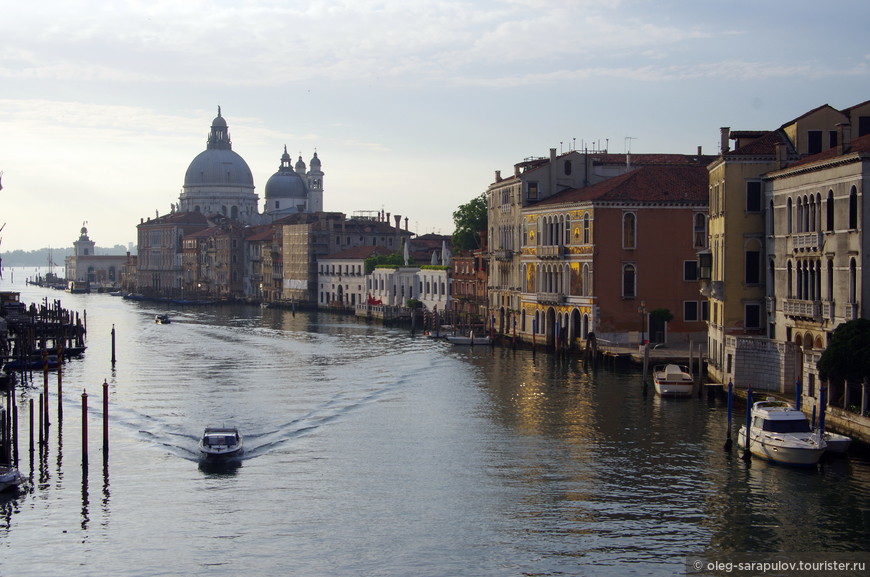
{"x": 10, "y": 477}
{"x": 778, "y": 432}
{"x": 836, "y": 442}
{"x": 221, "y": 443}
{"x": 162, "y": 319}
{"x": 673, "y": 380}
{"x": 468, "y": 340}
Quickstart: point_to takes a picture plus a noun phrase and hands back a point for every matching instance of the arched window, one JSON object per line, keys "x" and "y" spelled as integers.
{"x": 853, "y": 208}
{"x": 587, "y": 281}
{"x": 586, "y": 230}
{"x": 788, "y": 208}
{"x": 629, "y": 230}
{"x": 629, "y": 281}
{"x": 829, "y": 206}
{"x": 568, "y": 168}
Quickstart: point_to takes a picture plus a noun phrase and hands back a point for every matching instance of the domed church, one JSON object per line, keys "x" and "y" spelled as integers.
{"x": 219, "y": 181}
{"x": 293, "y": 190}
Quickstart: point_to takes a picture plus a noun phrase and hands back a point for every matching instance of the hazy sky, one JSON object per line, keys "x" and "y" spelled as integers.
{"x": 411, "y": 105}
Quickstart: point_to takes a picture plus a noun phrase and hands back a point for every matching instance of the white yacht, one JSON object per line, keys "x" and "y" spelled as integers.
{"x": 778, "y": 432}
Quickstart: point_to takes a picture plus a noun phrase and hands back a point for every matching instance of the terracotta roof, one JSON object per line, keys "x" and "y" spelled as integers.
{"x": 360, "y": 252}
{"x": 645, "y": 183}
{"x": 652, "y": 159}
{"x": 764, "y": 145}
{"x": 192, "y": 217}
{"x": 858, "y": 145}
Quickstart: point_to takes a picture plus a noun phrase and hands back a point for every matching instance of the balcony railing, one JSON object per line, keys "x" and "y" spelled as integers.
{"x": 503, "y": 254}
{"x": 551, "y": 251}
{"x": 806, "y": 241}
{"x": 550, "y": 298}
{"x": 802, "y": 308}
{"x": 850, "y": 312}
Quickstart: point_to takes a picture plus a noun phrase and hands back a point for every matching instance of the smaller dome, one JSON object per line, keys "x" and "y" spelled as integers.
{"x": 219, "y": 120}
{"x": 286, "y": 183}
{"x": 315, "y": 162}
{"x": 300, "y": 164}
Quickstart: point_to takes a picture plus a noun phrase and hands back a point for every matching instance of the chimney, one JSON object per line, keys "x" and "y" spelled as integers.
{"x": 387, "y": 218}
{"x": 724, "y": 132}
{"x": 498, "y": 176}
{"x": 398, "y": 218}
{"x": 406, "y": 223}
{"x": 699, "y": 152}
{"x": 844, "y": 138}
{"x": 780, "y": 153}
{"x": 552, "y": 155}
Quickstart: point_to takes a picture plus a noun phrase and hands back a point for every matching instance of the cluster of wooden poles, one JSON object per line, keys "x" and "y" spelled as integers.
{"x": 10, "y": 430}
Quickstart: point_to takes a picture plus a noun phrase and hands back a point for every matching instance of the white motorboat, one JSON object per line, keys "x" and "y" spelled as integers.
{"x": 673, "y": 380}
{"x": 468, "y": 340}
{"x": 221, "y": 443}
{"x": 778, "y": 432}
{"x": 10, "y": 477}
{"x": 836, "y": 442}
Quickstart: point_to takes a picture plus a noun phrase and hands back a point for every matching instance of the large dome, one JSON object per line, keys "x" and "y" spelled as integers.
{"x": 218, "y": 167}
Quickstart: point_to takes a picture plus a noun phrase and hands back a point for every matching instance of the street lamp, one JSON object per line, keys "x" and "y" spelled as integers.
{"x": 642, "y": 310}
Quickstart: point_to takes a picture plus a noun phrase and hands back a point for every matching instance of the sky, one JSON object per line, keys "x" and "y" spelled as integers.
{"x": 411, "y": 105}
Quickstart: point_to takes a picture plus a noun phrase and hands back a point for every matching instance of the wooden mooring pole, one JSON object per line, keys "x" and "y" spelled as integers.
{"x": 105, "y": 420}
{"x": 84, "y": 429}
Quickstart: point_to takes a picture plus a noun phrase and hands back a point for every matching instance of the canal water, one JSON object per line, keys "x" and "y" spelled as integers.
{"x": 371, "y": 452}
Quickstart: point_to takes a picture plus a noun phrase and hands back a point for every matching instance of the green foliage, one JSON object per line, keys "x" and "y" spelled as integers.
{"x": 469, "y": 219}
{"x": 414, "y": 304}
{"x": 663, "y": 315}
{"x": 847, "y": 356}
{"x": 433, "y": 267}
{"x": 391, "y": 260}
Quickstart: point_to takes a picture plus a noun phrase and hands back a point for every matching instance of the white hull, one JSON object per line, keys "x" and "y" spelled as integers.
{"x": 781, "y": 449}
{"x": 837, "y": 443}
{"x": 667, "y": 389}
{"x": 9, "y": 477}
{"x": 673, "y": 381}
{"x": 458, "y": 340}
{"x": 221, "y": 443}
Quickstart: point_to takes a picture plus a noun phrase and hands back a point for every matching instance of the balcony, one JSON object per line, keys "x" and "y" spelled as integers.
{"x": 851, "y": 311}
{"x": 802, "y": 308}
{"x": 550, "y": 298}
{"x": 503, "y": 254}
{"x": 806, "y": 241}
{"x": 553, "y": 251}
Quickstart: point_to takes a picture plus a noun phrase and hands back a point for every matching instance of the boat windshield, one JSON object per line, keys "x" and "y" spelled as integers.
{"x": 228, "y": 440}
{"x": 787, "y": 426}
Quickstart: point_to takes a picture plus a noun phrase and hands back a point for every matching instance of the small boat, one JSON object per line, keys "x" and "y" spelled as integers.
{"x": 32, "y": 363}
{"x": 778, "y": 432}
{"x": 836, "y": 442}
{"x": 10, "y": 477}
{"x": 221, "y": 443}
{"x": 673, "y": 380}
{"x": 162, "y": 319}
{"x": 468, "y": 340}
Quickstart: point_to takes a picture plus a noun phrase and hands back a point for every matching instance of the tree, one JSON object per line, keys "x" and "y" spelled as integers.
{"x": 846, "y": 357}
{"x": 469, "y": 219}
{"x": 395, "y": 259}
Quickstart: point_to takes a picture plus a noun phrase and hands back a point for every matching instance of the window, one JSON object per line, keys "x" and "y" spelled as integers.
{"x": 705, "y": 310}
{"x": 628, "y": 281}
{"x": 700, "y": 231}
{"x": 753, "y": 267}
{"x": 690, "y": 270}
{"x": 853, "y": 208}
{"x": 629, "y": 229}
{"x": 814, "y": 141}
{"x": 863, "y": 125}
{"x": 829, "y": 207}
{"x": 567, "y": 168}
{"x": 533, "y": 191}
{"x": 690, "y": 311}
{"x": 832, "y": 139}
{"x": 752, "y": 316}
{"x": 753, "y": 196}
